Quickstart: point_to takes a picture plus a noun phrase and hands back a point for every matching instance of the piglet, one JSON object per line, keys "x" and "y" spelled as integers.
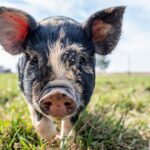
{"x": 57, "y": 66}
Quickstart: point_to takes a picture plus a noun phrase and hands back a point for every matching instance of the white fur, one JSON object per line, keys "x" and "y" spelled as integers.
{"x": 45, "y": 126}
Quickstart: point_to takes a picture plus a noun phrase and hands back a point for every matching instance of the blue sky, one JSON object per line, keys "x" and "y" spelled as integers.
{"x": 134, "y": 45}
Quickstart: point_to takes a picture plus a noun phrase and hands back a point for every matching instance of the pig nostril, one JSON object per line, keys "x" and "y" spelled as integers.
{"x": 64, "y": 95}
{"x": 67, "y": 104}
{"x": 47, "y": 104}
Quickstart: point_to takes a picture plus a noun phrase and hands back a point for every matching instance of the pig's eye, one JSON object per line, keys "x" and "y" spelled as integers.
{"x": 34, "y": 60}
{"x": 69, "y": 58}
{"x": 82, "y": 61}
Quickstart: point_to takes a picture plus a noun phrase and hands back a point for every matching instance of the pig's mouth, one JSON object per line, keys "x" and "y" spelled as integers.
{"x": 58, "y": 100}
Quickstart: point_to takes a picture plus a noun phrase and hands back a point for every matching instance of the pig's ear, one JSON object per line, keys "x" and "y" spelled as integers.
{"x": 15, "y": 26}
{"x": 104, "y": 28}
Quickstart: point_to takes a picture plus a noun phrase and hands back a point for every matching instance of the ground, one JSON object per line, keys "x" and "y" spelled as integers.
{"x": 117, "y": 117}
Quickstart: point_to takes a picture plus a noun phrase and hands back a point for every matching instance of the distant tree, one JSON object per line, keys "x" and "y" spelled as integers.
{"x": 102, "y": 62}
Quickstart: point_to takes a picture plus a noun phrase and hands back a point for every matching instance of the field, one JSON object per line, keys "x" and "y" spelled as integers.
{"x": 117, "y": 117}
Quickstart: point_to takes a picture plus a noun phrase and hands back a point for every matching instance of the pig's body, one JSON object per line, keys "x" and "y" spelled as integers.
{"x": 57, "y": 69}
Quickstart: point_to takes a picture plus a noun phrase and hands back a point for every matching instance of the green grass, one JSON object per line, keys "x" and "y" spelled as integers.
{"x": 117, "y": 117}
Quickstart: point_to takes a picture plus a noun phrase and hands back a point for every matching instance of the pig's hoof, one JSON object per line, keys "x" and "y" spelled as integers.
{"x": 57, "y": 137}
{"x": 55, "y": 140}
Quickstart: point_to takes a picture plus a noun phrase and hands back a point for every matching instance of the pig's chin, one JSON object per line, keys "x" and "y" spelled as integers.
{"x": 59, "y": 117}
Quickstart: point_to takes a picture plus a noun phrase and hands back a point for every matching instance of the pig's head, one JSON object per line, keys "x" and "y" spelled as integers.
{"x": 57, "y": 67}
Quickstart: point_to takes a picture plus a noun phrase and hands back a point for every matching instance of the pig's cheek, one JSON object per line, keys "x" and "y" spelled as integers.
{"x": 80, "y": 101}
{"x": 36, "y": 90}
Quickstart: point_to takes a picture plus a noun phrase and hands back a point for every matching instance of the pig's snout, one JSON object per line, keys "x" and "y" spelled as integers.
{"x": 58, "y": 103}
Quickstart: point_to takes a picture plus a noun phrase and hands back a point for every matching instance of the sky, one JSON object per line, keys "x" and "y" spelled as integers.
{"x": 133, "y": 51}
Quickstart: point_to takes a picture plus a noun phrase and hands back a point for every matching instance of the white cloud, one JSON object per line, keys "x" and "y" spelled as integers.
{"x": 142, "y": 4}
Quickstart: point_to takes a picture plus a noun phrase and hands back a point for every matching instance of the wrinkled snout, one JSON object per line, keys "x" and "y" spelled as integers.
{"x": 58, "y": 103}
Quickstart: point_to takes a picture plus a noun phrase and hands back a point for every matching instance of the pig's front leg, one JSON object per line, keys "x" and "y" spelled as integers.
{"x": 66, "y": 126}
{"x": 42, "y": 124}
{"x": 68, "y": 123}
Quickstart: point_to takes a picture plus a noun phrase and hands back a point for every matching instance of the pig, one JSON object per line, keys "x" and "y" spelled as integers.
{"x": 57, "y": 64}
